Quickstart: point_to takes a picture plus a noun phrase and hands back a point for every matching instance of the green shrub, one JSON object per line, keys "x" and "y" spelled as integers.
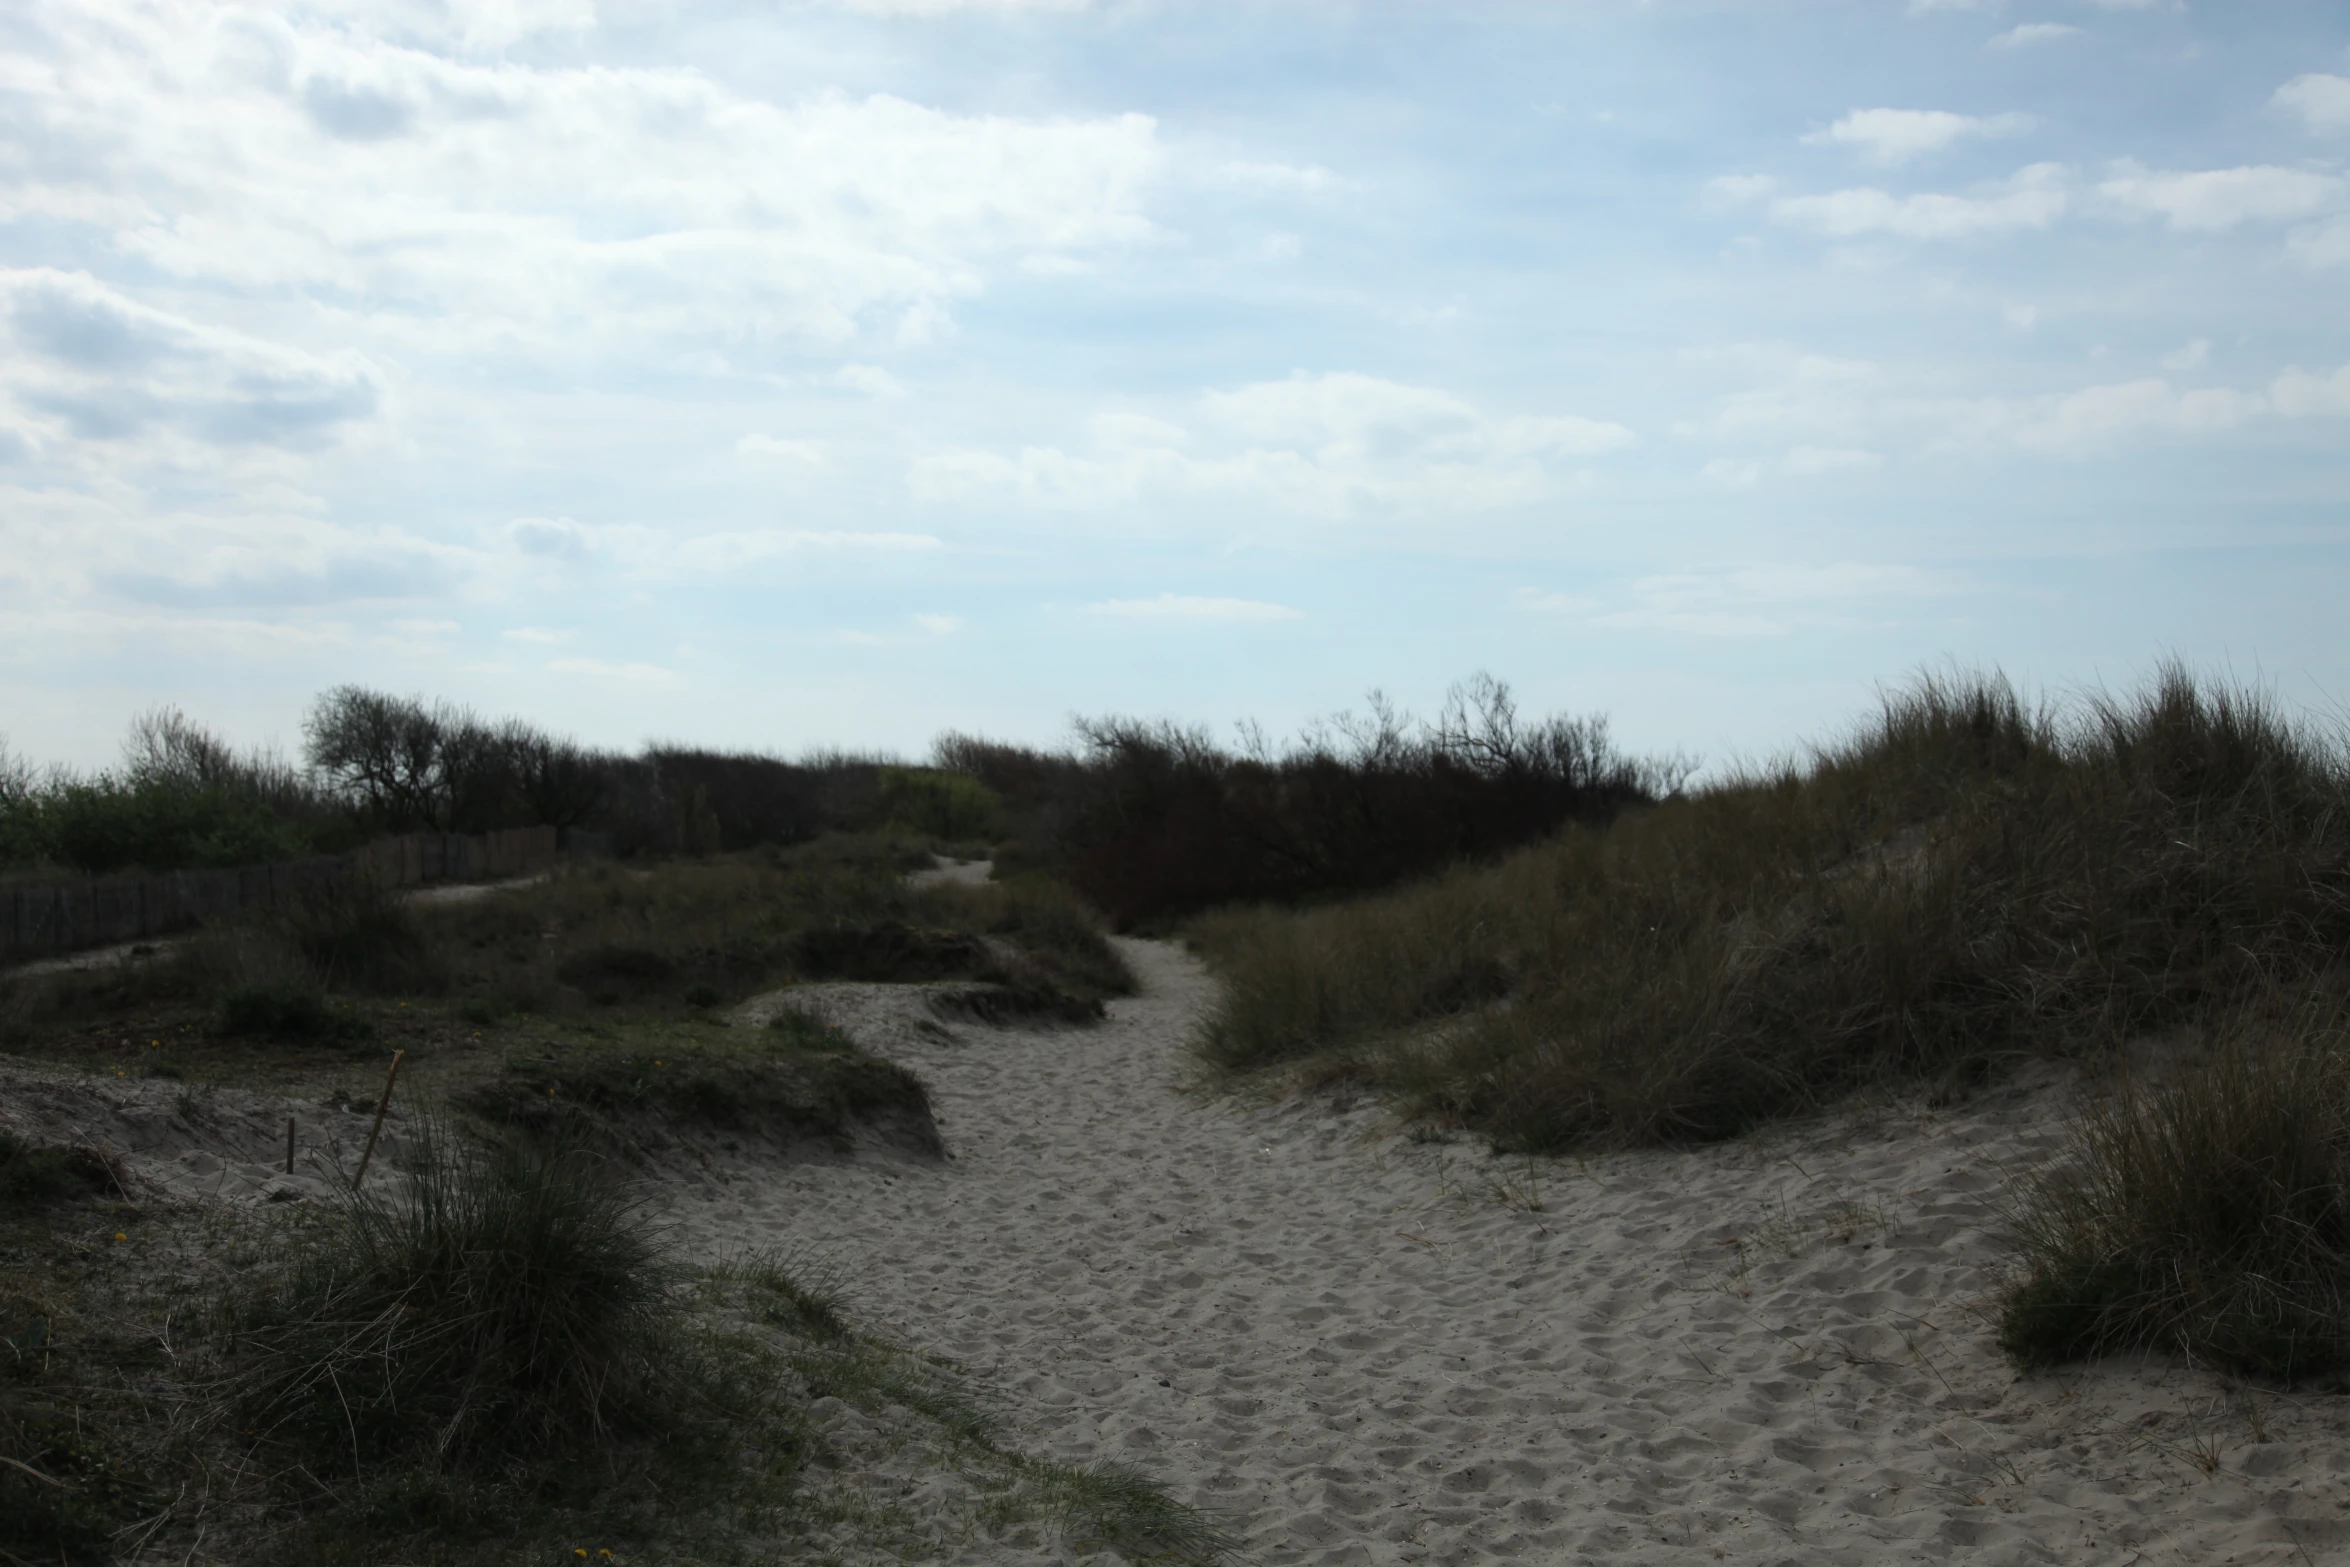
{"x": 940, "y": 805}
{"x": 2207, "y": 1213}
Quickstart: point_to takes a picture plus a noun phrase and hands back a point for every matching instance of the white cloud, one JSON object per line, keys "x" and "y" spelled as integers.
{"x": 1736, "y": 473}
{"x": 1898, "y": 135}
{"x": 427, "y": 628}
{"x": 719, "y": 553}
{"x": 625, "y": 673}
{"x": 2215, "y": 199}
{"x": 2027, "y": 34}
{"x": 549, "y": 538}
{"x": 1280, "y": 247}
{"x": 563, "y": 210}
{"x": 643, "y": 551}
{"x": 93, "y": 364}
{"x": 1277, "y": 177}
{"x": 771, "y": 448}
{"x": 1810, "y": 406}
{"x": 2098, "y": 419}
{"x": 1808, "y": 460}
{"x": 939, "y": 625}
{"x": 1328, "y": 446}
{"x": 1137, "y": 430}
{"x": 2297, "y": 394}
{"x": 2032, "y": 198}
{"x": 2191, "y": 356}
{"x": 1754, "y": 601}
{"x": 542, "y": 635}
{"x": 946, "y": 7}
{"x": 1176, "y": 606}
{"x": 871, "y": 380}
{"x": 2322, "y": 101}
{"x": 1738, "y": 189}
{"x": 2326, "y": 246}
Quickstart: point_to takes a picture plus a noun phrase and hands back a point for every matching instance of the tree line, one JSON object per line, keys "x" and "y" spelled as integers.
{"x": 1150, "y": 820}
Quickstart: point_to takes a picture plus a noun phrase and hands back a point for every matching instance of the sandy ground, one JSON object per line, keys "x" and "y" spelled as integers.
{"x": 204, "y": 1144}
{"x": 1362, "y": 1349}
{"x": 1366, "y": 1350}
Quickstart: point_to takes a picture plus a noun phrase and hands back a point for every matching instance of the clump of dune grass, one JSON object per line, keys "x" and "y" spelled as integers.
{"x": 507, "y": 1306}
{"x": 798, "y": 1078}
{"x": 502, "y": 1345}
{"x": 1968, "y": 878}
{"x": 2204, "y": 1213}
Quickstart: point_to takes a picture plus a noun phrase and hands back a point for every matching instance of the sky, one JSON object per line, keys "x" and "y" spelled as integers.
{"x": 787, "y": 375}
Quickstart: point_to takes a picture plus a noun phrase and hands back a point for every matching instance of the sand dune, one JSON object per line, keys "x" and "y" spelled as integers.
{"x": 1366, "y": 1350}
{"x": 1362, "y": 1349}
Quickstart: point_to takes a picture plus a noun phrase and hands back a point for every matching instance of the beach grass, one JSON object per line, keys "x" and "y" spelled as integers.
{"x": 1967, "y": 879}
{"x": 2203, "y": 1209}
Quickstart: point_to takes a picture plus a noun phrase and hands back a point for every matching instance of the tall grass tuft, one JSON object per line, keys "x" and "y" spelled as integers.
{"x": 508, "y": 1310}
{"x": 2206, "y": 1214}
{"x": 1968, "y": 877}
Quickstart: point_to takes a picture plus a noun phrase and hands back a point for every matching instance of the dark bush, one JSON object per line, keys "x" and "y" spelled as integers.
{"x": 32, "y": 1175}
{"x": 889, "y": 951}
{"x": 617, "y": 965}
{"x": 355, "y": 933}
{"x": 293, "y": 1011}
{"x": 1154, "y": 821}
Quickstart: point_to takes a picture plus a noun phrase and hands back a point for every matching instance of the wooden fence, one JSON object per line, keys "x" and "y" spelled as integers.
{"x": 98, "y": 911}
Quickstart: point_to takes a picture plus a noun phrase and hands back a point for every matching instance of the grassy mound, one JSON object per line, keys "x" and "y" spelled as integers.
{"x": 503, "y": 1341}
{"x": 2207, "y": 1214}
{"x": 1966, "y": 879}
{"x": 799, "y": 1077}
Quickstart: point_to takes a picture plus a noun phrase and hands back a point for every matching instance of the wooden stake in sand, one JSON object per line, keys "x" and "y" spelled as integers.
{"x": 289, "y": 1145}
{"x": 375, "y": 1131}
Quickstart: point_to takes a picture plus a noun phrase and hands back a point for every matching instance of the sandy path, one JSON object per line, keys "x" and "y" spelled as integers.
{"x": 1365, "y": 1350}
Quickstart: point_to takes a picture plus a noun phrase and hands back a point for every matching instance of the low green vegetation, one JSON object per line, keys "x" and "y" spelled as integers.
{"x": 493, "y": 1362}
{"x": 2204, "y": 1211}
{"x": 602, "y": 958}
{"x": 499, "y": 1362}
{"x": 1967, "y": 879}
{"x": 799, "y": 1078}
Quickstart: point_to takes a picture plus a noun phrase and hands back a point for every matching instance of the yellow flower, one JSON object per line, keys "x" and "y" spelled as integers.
{"x": 579, "y": 1551}
{"x": 118, "y": 1235}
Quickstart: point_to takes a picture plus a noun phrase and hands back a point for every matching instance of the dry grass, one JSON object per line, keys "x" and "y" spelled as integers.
{"x": 1966, "y": 879}
{"x": 2206, "y": 1212}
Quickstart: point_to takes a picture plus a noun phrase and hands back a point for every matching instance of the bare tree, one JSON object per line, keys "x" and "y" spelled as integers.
{"x": 387, "y": 756}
